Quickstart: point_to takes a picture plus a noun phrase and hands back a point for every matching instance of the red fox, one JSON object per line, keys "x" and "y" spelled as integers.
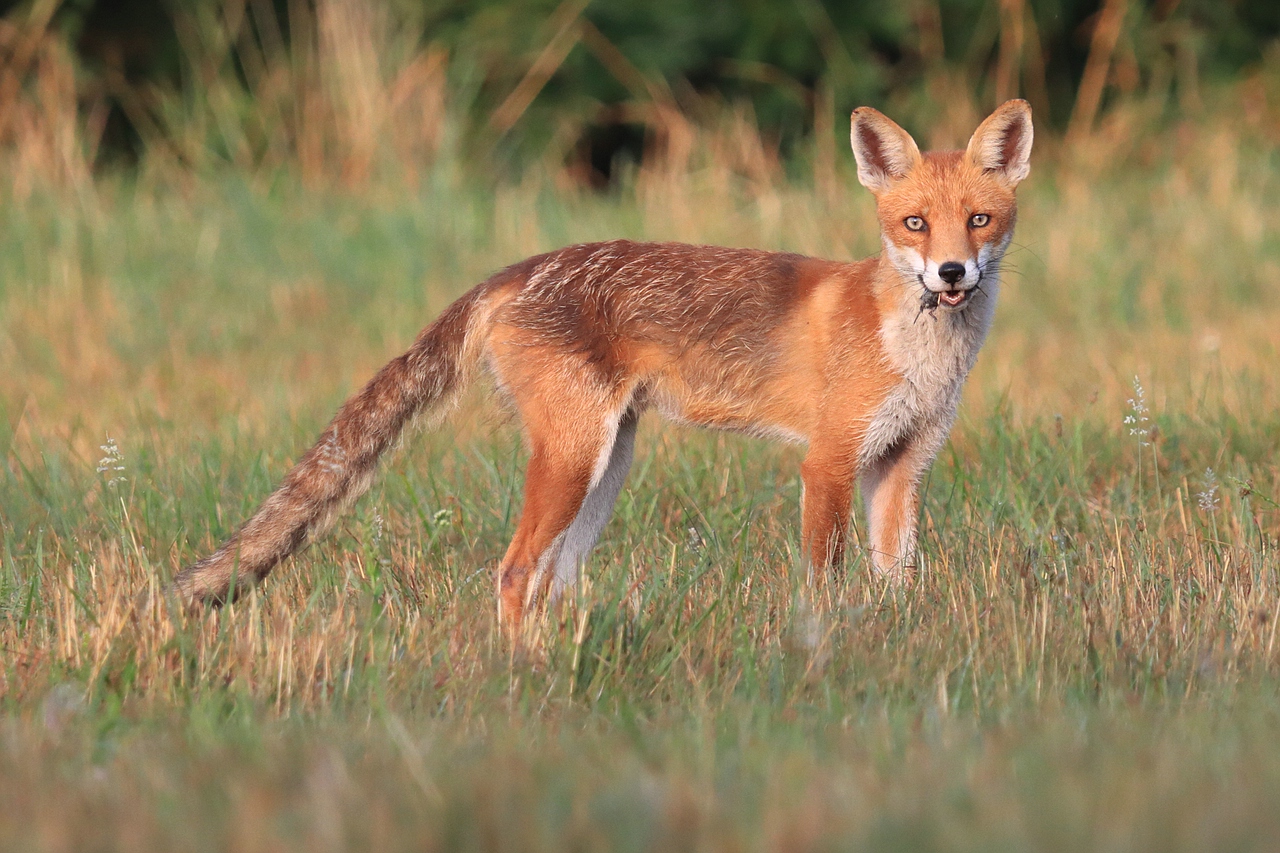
{"x": 862, "y": 361}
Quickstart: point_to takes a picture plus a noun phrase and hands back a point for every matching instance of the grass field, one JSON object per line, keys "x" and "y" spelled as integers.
{"x": 1088, "y": 661}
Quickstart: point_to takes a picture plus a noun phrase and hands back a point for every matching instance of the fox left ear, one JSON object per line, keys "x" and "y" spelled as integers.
{"x": 1002, "y": 144}
{"x": 884, "y": 151}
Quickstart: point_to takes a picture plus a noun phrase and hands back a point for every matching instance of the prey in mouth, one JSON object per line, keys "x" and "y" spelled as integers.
{"x": 951, "y": 298}
{"x": 930, "y": 300}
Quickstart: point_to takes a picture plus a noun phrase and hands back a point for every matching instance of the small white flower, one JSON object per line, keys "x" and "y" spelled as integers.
{"x": 112, "y": 464}
{"x": 1138, "y": 416}
{"x": 1208, "y": 498}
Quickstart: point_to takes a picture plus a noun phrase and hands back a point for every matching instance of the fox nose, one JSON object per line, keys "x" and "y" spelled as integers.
{"x": 951, "y": 272}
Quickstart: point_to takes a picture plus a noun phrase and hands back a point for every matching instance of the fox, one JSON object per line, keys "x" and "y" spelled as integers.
{"x": 862, "y": 361}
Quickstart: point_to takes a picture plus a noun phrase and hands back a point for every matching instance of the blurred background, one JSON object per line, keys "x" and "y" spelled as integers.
{"x": 338, "y": 90}
{"x": 193, "y": 193}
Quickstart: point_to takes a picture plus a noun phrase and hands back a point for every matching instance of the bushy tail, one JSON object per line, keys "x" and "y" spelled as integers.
{"x": 340, "y": 466}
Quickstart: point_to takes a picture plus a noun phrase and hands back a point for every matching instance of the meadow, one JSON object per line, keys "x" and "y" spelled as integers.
{"x": 1087, "y": 661}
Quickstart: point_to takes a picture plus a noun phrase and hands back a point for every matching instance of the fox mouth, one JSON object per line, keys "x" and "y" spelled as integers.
{"x": 948, "y": 298}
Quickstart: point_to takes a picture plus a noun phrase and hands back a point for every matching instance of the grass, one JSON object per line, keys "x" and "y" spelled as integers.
{"x": 1088, "y": 662}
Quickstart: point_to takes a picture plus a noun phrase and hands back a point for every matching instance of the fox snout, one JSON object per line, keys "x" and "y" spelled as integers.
{"x": 950, "y": 275}
{"x": 949, "y": 283}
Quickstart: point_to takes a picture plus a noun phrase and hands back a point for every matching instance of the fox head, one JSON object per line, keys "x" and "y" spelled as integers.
{"x": 947, "y": 217}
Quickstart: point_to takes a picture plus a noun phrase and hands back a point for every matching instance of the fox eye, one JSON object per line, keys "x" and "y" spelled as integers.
{"x": 979, "y": 220}
{"x": 914, "y": 223}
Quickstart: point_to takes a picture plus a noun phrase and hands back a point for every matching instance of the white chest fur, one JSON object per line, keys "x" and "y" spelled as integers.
{"x": 932, "y": 352}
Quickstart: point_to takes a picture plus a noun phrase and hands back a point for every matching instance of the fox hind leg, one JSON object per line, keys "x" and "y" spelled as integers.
{"x": 596, "y": 509}
{"x": 554, "y": 491}
{"x": 573, "y": 473}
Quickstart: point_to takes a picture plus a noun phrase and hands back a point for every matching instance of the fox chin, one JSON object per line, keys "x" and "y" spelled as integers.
{"x": 863, "y": 362}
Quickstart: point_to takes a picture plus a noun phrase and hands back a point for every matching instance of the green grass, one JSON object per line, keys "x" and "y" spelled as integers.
{"x": 1088, "y": 662}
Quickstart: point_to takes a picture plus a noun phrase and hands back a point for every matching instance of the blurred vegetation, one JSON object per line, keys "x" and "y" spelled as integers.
{"x": 594, "y": 84}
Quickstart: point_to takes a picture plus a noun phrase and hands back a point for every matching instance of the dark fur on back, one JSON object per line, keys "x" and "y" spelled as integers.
{"x": 671, "y": 294}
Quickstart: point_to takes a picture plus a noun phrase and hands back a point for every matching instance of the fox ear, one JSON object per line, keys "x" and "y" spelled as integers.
{"x": 884, "y": 151}
{"x": 1002, "y": 144}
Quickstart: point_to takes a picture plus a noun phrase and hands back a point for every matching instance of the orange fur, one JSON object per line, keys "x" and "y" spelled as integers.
{"x": 863, "y": 361}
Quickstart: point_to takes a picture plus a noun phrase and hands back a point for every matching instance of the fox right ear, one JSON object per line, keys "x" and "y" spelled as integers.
{"x": 884, "y": 151}
{"x": 1002, "y": 143}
